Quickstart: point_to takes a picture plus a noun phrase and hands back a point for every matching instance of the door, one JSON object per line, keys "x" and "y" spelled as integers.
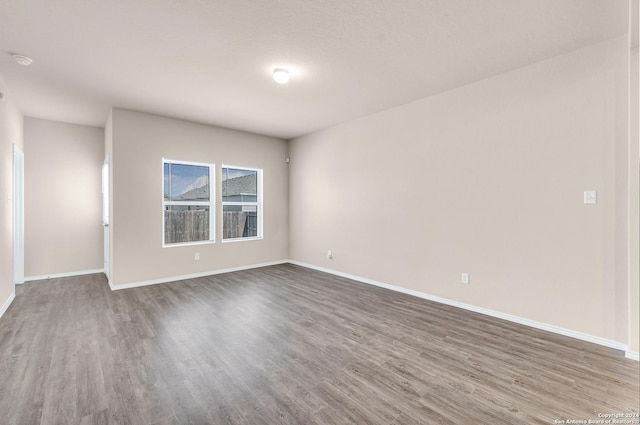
{"x": 18, "y": 215}
{"x": 105, "y": 215}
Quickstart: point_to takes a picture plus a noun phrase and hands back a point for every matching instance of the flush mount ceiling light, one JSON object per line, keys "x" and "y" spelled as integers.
{"x": 281, "y": 75}
{"x": 21, "y": 59}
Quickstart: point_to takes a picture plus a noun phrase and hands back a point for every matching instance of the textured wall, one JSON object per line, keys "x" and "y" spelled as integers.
{"x": 139, "y": 142}
{"x": 486, "y": 179}
{"x": 10, "y": 133}
{"x": 63, "y": 203}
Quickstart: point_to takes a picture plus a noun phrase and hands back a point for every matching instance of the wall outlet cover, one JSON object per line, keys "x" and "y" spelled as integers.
{"x": 590, "y": 197}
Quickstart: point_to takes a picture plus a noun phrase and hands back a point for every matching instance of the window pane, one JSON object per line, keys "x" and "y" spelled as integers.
{"x": 186, "y": 182}
{"x": 239, "y": 221}
{"x": 186, "y": 223}
{"x": 239, "y": 185}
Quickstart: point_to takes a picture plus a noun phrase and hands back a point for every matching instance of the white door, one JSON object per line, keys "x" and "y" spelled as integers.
{"x": 105, "y": 214}
{"x": 18, "y": 215}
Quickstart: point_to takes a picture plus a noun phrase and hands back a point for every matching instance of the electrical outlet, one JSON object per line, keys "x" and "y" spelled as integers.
{"x": 329, "y": 255}
{"x": 465, "y": 278}
{"x": 197, "y": 256}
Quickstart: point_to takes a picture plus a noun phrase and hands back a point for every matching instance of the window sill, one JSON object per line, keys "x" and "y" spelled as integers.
{"x": 255, "y": 238}
{"x": 175, "y": 245}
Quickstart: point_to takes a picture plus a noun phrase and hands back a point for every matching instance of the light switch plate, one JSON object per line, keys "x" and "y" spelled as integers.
{"x": 590, "y": 197}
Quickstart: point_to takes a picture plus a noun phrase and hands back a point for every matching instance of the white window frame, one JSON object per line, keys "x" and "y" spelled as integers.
{"x": 257, "y": 204}
{"x": 211, "y": 203}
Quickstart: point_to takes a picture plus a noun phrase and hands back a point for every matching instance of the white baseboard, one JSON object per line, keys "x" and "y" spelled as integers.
{"x": 67, "y": 274}
{"x": 520, "y": 320}
{"x": 633, "y": 355}
{"x": 192, "y": 276}
{"x": 7, "y": 303}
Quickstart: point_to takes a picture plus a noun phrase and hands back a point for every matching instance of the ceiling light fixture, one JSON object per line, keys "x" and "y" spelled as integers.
{"x": 281, "y": 75}
{"x": 22, "y": 60}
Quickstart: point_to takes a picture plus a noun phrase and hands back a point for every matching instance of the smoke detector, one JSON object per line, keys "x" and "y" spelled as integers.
{"x": 21, "y": 59}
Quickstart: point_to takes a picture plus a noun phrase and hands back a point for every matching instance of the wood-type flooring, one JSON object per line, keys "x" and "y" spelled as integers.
{"x": 289, "y": 345}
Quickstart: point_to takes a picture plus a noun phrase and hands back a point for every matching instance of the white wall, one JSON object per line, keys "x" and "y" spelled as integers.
{"x": 139, "y": 142}
{"x": 63, "y": 204}
{"x": 486, "y": 179}
{"x": 10, "y": 133}
{"x": 634, "y": 183}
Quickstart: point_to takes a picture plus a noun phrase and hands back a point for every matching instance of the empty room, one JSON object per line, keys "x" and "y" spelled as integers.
{"x": 319, "y": 212}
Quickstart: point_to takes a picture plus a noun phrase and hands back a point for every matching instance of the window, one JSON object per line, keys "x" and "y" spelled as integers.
{"x": 241, "y": 203}
{"x": 188, "y": 203}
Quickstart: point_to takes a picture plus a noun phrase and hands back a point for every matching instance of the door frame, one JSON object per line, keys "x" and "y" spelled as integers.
{"x": 105, "y": 217}
{"x": 18, "y": 215}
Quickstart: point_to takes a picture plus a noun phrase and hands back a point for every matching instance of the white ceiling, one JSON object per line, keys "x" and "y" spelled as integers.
{"x": 211, "y": 60}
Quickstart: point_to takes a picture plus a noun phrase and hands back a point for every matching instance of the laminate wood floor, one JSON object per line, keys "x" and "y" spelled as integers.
{"x": 288, "y": 345}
